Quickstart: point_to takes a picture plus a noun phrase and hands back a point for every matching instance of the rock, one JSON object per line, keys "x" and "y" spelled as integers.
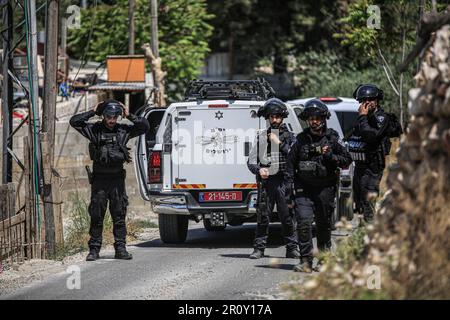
{"x": 410, "y": 237}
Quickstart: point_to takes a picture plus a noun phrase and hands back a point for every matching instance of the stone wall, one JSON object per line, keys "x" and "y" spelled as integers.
{"x": 414, "y": 222}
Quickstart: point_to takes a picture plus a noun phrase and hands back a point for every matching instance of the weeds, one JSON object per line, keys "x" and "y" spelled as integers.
{"x": 77, "y": 230}
{"x": 339, "y": 278}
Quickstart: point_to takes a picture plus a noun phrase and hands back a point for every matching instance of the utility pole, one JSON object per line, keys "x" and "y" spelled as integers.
{"x": 63, "y": 36}
{"x": 34, "y": 127}
{"x": 154, "y": 15}
{"x": 49, "y": 115}
{"x": 158, "y": 74}
{"x": 131, "y": 26}
{"x": 34, "y": 86}
{"x": 51, "y": 70}
{"x": 7, "y": 90}
{"x": 131, "y": 37}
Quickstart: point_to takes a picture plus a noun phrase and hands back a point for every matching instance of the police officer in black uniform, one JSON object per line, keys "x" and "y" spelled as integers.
{"x": 311, "y": 176}
{"x": 368, "y": 145}
{"x": 267, "y": 160}
{"x": 108, "y": 150}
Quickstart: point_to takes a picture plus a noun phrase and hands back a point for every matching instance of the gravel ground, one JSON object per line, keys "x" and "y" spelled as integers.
{"x": 210, "y": 265}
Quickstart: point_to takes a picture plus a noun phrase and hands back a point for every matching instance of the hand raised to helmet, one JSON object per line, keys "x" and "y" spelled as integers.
{"x": 126, "y": 112}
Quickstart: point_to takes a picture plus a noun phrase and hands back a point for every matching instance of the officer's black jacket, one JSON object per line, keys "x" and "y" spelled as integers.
{"x": 287, "y": 138}
{"x": 93, "y": 131}
{"x": 373, "y": 131}
{"x": 372, "y": 128}
{"x": 339, "y": 157}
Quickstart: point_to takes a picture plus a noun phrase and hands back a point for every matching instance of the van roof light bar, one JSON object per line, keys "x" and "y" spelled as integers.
{"x": 254, "y": 90}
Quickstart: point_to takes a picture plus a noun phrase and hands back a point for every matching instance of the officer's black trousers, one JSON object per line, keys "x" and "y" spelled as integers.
{"x": 275, "y": 194}
{"x": 314, "y": 202}
{"x": 108, "y": 189}
{"x": 365, "y": 181}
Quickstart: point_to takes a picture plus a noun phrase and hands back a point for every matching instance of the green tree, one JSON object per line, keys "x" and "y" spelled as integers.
{"x": 184, "y": 31}
{"x": 261, "y": 31}
{"x": 231, "y": 21}
{"x": 384, "y": 46}
{"x": 327, "y": 73}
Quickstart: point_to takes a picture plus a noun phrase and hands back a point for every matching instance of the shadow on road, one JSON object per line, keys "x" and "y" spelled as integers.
{"x": 232, "y": 237}
{"x": 237, "y": 255}
{"x": 281, "y": 266}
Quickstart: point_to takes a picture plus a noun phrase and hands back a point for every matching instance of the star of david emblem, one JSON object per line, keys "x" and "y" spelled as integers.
{"x": 219, "y": 115}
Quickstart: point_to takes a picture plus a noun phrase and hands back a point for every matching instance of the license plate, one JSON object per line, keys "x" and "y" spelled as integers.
{"x": 220, "y": 196}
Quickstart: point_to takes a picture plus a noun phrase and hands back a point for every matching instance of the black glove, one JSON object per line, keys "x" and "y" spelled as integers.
{"x": 328, "y": 155}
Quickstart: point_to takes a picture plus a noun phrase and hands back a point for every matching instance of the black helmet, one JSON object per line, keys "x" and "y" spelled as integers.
{"x": 367, "y": 91}
{"x": 314, "y": 107}
{"x": 273, "y": 106}
{"x": 111, "y": 108}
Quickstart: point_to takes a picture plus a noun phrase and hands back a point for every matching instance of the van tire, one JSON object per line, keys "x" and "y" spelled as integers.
{"x": 345, "y": 208}
{"x": 210, "y": 228}
{"x": 173, "y": 228}
{"x": 334, "y": 217}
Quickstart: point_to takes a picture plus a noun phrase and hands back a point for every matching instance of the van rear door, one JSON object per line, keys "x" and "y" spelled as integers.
{"x": 144, "y": 145}
{"x": 211, "y": 145}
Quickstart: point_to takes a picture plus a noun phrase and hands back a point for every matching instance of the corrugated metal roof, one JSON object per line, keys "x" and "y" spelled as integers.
{"x": 120, "y": 86}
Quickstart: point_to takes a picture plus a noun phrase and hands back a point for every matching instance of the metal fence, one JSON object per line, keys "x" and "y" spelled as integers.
{"x": 21, "y": 230}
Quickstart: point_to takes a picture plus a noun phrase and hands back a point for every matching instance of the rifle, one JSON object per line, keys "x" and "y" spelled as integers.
{"x": 261, "y": 202}
{"x": 89, "y": 173}
{"x": 291, "y": 201}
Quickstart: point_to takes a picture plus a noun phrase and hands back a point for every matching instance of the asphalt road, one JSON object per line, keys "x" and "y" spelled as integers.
{"x": 210, "y": 265}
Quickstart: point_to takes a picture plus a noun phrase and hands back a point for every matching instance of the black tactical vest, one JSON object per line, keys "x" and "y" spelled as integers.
{"x": 109, "y": 149}
{"x": 357, "y": 148}
{"x": 372, "y": 155}
{"x": 275, "y": 159}
{"x": 312, "y": 170}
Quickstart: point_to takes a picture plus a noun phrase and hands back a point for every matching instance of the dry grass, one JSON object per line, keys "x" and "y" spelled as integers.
{"x": 340, "y": 277}
{"x": 77, "y": 232}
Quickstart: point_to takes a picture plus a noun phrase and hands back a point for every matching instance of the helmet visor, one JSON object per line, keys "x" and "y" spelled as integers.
{"x": 112, "y": 111}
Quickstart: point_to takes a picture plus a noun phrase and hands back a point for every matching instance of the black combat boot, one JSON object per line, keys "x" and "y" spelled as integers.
{"x": 305, "y": 265}
{"x": 93, "y": 254}
{"x": 320, "y": 262}
{"x": 293, "y": 253}
{"x": 123, "y": 254}
{"x": 368, "y": 218}
{"x": 257, "y": 254}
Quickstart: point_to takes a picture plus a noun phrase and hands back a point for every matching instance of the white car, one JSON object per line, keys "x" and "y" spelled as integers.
{"x": 344, "y": 112}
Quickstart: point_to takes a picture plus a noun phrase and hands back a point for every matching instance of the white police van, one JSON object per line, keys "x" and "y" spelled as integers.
{"x": 192, "y": 164}
{"x": 344, "y": 112}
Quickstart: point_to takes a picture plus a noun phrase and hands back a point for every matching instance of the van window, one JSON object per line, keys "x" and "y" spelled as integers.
{"x": 167, "y": 137}
{"x": 347, "y": 120}
{"x": 154, "y": 119}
